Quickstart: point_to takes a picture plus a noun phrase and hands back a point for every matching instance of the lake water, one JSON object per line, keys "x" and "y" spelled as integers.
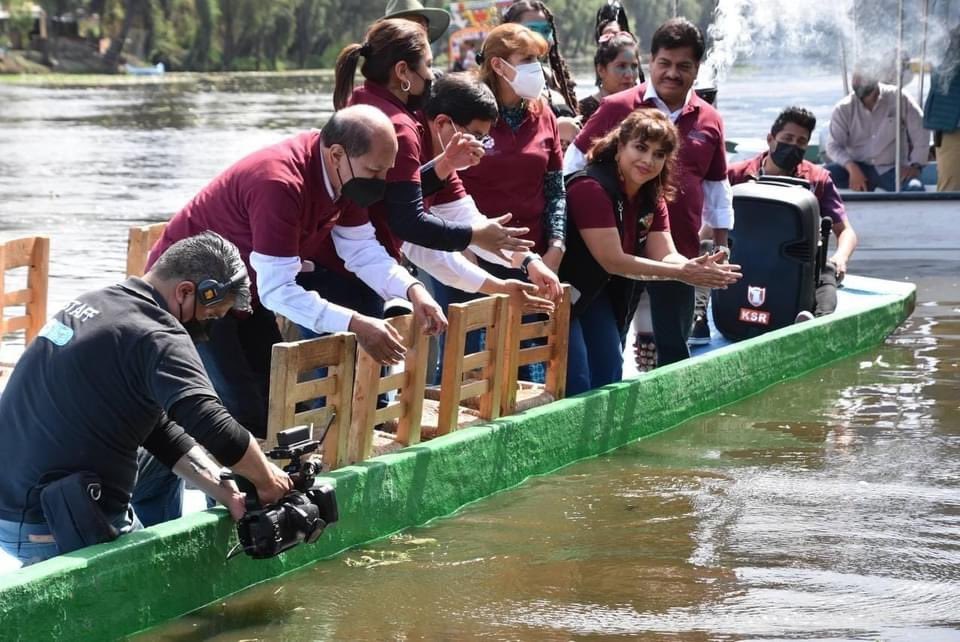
{"x": 827, "y": 508}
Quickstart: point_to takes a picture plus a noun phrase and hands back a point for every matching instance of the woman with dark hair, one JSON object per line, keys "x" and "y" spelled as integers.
{"x": 535, "y": 16}
{"x": 397, "y": 71}
{"x": 617, "y": 63}
{"x": 619, "y": 235}
{"x": 611, "y": 18}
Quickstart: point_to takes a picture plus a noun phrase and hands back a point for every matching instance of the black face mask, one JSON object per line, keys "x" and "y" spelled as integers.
{"x": 417, "y": 102}
{"x": 787, "y": 156}
{"x": 862, "y": 91}
{"x": 197, "y": 329}
{"x": 362, "y": 191}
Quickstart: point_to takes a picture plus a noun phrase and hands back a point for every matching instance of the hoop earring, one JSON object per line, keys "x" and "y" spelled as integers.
{"x": 408, "y": 85}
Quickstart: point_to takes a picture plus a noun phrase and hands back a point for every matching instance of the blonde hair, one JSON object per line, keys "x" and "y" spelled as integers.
{"x": 503, "y": 42}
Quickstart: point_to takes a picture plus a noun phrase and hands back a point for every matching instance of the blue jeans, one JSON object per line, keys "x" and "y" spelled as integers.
{"x": 595, "y": 354}
{"x": 158, "y": 495}
{"x": 20, "y": 540}
{"x": 885, "y": 181}
{"x": 671, "y": 311}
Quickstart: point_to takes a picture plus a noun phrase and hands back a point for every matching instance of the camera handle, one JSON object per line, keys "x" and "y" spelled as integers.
{"x": 251, "y": 498}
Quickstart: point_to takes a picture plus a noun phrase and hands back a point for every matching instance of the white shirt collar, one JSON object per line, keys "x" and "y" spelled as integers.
{"x": 326, "y": 177}
{"x": 650, "y": 94}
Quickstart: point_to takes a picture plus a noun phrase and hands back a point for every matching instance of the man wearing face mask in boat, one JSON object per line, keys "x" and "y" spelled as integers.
{"x": 788, "y": 140}
{"x": 280, "y": 206}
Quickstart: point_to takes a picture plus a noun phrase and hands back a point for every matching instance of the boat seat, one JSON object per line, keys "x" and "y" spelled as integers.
{"x": 484, "y": 370}
{"x": 296, "y": 390}
{"x": 522, "y": 395}
{"x": 23, "y": 309}
{"x": 402, "y": 416}
{"x": 139, "y": 241}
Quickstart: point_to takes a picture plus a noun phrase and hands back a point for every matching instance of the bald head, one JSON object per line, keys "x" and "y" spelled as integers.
{"x": 358, "y": 129}
{"x": 358, "y": 141}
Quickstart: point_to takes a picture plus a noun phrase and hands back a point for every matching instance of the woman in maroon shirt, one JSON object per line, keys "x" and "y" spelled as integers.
{"x": 620, "y": 234}
{"x": 397, "y": 71}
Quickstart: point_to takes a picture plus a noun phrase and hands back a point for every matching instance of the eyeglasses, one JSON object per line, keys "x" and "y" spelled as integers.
{"x": 486, "y": 140}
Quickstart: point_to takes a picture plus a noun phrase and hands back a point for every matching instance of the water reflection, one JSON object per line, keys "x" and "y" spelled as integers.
{"x": 825, "y": 508}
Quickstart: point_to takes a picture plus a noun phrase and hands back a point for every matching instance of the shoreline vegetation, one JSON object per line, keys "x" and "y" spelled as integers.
{"x": 49, "y": 78}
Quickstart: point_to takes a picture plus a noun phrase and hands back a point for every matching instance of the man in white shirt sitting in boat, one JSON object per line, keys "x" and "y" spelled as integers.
{"x": 863, "y": 131}
{"x": 788, "y": 141}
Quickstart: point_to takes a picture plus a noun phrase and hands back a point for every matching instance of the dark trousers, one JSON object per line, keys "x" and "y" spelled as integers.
{"x": 826, "y": 293}
{"x": 237, "y": 359}
{"x": 671, "y": 310}
{"x": 595, "y": 353}
{"x": 885, "y": 181}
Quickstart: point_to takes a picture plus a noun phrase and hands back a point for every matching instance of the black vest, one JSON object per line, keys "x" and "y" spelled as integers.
{"x": 583, "y": 272}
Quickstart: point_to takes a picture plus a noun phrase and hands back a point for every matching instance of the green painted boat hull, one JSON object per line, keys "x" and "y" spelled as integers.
{"x": 164, "y": 572}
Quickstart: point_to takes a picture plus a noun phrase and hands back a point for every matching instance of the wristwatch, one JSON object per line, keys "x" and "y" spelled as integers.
{"x": 557, "y": 243}
{"x": 529, "y": 258}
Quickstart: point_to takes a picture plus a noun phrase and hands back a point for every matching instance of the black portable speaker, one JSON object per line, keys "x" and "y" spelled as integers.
{"x": 775, "y": 241}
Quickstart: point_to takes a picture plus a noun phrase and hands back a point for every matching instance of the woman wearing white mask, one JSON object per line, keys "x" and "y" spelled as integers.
{"x": 522, "y": 171}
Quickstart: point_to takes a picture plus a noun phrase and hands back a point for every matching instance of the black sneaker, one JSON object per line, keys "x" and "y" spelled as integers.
{"x": 700, "y": 335}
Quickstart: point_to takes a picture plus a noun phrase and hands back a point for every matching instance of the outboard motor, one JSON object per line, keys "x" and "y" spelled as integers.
{"x": 775, "y": 241}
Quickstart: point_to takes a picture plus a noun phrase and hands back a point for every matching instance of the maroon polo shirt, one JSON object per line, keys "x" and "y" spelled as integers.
{"x": 411, "y": 152}
{"x": 273, "y": 201}
{"x": 510, "y": 176}
{"x": 702, "y": 156}
{"x": 819, "y": 178}
{"x": 589, "y": 207}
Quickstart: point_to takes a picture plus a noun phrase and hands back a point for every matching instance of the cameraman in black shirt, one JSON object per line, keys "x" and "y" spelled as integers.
{"x": 114, "y": 370}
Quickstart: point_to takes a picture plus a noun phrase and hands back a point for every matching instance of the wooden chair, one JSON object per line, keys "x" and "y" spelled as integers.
{"x": 489, "y": 313}
{"x": 32, "y": 253}
{"x": 139, "y": 242}
{"x": 522, "y": 395}
{"x": 293, "y": 381}
{"x": 405, "y": 412}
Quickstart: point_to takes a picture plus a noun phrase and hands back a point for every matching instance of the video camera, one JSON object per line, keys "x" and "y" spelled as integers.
{"x": 301, "y": 515}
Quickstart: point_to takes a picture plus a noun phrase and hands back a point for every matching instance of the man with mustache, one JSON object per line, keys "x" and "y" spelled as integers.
{"x": 703, "y": 194}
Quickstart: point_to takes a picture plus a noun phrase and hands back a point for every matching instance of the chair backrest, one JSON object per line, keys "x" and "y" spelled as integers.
{"x": 490, "y": 314}
{"x": 32, "y": 253}
{"x": 139, "y": 242}
{"x": 293, "y": 381}
{"x": 556, "y": 330}
{"x": 407, "y": 408}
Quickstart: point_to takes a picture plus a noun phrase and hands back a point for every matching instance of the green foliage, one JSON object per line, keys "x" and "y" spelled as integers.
{"x": 203, "y": 35}
{"x": 20, "y": 22}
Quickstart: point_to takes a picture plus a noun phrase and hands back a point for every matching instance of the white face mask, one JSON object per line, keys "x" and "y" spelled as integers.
{"x": 529, "y": 81}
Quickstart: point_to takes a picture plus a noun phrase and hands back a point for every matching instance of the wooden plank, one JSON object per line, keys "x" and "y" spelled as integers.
{"x": 393, "y": 411}
{"x": 535, "y": 329}
{"x": 13, "y": 324}
{"x": 479, "y": 312}
{"x": 316, "y": 416}
{"x": 556, "y": 380}
{"x": 314, "y": 389}
{"x": 412, "y": 390}
{"x": 477, "y": 360}
{"x": 494, "y": 372}
{"x": 318, "y": 353}
{"x": 19, "y": 252}
{"x": 140, "y": 240}
{"x": 475, "y": 389}
{"x": 391, "y": 382}
{"x": 338, "y": 440}
{"x": 511, "y": 360}
{"x": 37, "y": 283}
{"x": 535, "y": 354}
{"x": 366, "y": 384}
{"x": 453, "y": 366}
{"x": 17, "y": 297}
{"x": 283, "y": 379}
